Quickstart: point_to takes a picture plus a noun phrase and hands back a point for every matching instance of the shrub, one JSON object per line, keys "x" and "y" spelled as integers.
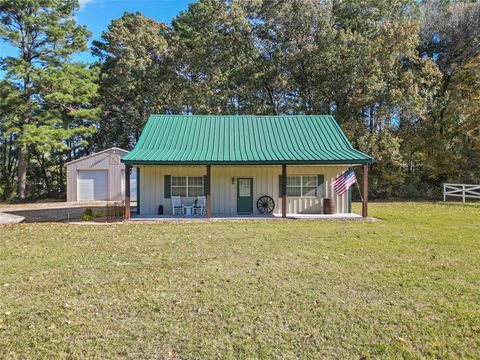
{"x": 88, "y": 214}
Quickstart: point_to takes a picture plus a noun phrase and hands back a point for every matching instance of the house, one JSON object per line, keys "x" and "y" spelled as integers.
{"x": 99, "y": 177}
{"x": 235, "y": 160}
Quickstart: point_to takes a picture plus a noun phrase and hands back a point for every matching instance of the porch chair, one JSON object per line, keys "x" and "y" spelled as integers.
{"x": 177, "y": 207}
{"x": 199, "y": 207}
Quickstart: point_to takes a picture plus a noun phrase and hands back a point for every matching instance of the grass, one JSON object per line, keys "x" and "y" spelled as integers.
{"x": 405, "y": 287}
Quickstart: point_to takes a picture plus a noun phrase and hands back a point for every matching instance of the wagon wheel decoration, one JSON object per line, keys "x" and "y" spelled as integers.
{"x": 265, "y": 204}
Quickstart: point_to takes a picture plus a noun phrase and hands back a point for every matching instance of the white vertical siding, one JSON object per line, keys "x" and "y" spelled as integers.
{"x": 315, "y": 205}
{"x": 224, "y": 196}
{"x": 152, "y": 186}
{"x": 224, "y": 192}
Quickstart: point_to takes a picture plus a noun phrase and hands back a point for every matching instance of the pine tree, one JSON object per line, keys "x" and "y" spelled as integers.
{"x": 45, "y": 35}
{"x": 133, "y": 80}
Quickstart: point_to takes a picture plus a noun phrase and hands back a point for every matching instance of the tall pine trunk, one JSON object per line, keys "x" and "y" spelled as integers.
{"x": 22, "y": 171}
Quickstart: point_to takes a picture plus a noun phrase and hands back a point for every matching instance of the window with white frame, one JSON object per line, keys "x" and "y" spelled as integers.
{"x": 187, "y": 186}
{"x": 302, "y": 186}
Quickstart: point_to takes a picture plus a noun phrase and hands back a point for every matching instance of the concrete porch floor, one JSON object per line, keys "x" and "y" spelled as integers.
{"x": 255, "y": 217}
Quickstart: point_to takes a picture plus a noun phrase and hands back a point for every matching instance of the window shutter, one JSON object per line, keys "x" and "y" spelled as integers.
{"x": 320, "y": 186}
{"x": 166, "y": 187}
{"x": 204, "y": 185}
{"x": 280, "y": 192}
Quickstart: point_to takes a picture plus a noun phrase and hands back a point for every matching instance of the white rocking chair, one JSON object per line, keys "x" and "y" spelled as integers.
{"x": 177, "y": 207}
{"x": 199, "y": 207}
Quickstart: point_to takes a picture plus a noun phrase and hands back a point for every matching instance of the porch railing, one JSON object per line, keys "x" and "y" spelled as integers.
{"x": 465, "y": 191}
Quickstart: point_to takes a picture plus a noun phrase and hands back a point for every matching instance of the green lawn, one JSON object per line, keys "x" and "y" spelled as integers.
{"x": 408, "y": 286}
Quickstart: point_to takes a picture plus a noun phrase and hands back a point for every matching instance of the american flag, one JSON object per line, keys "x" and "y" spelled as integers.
{"x": 344, "y": 181}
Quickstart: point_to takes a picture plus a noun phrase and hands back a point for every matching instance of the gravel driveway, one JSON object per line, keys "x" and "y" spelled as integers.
{"x": 53, "y": 211}
{"x": 6, "y": 219}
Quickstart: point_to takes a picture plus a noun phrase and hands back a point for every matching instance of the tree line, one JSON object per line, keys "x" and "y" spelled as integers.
{"x": 401, "y": 77}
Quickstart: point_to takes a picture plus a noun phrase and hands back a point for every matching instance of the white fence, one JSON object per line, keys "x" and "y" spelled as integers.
{"x": 465, "y": 191}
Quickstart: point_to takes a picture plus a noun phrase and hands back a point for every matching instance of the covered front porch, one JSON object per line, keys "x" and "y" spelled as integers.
{"x": 231, "y": 191}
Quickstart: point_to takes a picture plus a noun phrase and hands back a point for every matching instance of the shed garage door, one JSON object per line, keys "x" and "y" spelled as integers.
{"x": 92, "y": 185}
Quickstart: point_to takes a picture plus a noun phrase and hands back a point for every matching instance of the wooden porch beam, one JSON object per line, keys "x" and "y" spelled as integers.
{"x": 284, "y": 190}
{"x": 208, "y": 193}
{"x": 138, "y": 190}
{"x": 126, "y": 214}
{"x": 365, "y": 191}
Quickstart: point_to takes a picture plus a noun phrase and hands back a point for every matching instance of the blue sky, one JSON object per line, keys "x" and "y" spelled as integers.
{"x": 97, "y": 14}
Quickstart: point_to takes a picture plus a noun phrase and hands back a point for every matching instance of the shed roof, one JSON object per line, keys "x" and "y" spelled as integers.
{"x": 207, "y": 139}
{"x": 112, "y": 149}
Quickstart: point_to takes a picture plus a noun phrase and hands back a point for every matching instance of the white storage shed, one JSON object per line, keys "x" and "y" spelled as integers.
{"x": 99, "y": 177}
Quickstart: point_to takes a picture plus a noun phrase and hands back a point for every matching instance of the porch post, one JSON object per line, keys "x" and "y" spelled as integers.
{"x": 284, "y": 190}
{"x": 126, "y": 214}
{"x": 365, "y": 191}
{"x": 208, "y": 193}
{"x": 138, "y": 190}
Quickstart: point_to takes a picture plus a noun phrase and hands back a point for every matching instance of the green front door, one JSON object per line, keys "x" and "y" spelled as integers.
{"x": 244, "y": 195}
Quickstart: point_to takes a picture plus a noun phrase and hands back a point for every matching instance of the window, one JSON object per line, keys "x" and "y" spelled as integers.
{"x": 302, "y": 186}
{"x": 187, "y": 186}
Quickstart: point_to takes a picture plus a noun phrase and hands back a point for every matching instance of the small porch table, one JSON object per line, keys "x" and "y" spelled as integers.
{"x": 188, "y": 210}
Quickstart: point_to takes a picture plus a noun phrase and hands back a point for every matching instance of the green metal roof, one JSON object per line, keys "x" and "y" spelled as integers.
{"x": 208, "y": 139}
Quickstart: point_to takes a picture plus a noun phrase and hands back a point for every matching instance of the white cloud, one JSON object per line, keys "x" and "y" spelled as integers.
{"x": 84, "y": 3}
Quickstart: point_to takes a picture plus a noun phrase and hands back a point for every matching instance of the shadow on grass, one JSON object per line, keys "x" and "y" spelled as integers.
{"x": 449, "y": 202}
